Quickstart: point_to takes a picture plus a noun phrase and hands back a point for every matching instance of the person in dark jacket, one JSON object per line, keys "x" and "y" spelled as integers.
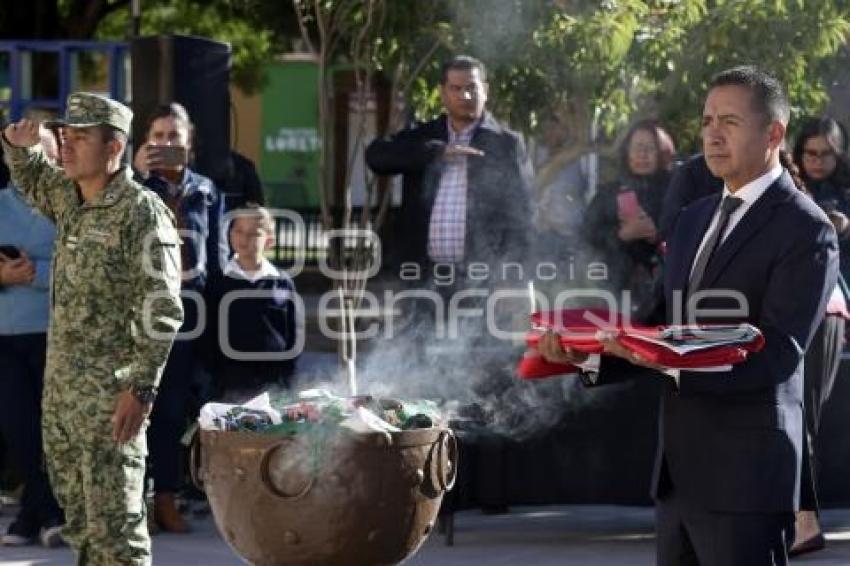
{"x": 820, "y": 158}
{"x": 621, "y": 224}
{"x": 241, "y": 184}
{"x": 728, "y": 465}
{"x": 821, "y": 154}
{"x": 162, "y": 162}
{"x": 466, "y": 178}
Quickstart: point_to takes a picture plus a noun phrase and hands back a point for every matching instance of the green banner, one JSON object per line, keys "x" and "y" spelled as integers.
{"x": 289, "y": 160}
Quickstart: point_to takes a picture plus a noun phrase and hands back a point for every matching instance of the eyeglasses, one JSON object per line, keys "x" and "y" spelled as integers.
{"x": 643, "y": 148}
{"x": 819, "y": 155}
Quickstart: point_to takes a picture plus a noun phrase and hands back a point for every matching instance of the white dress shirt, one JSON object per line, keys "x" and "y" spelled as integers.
{"x": 267, "y": 271}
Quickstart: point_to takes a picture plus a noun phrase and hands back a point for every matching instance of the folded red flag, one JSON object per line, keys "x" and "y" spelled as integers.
{"x": 681, "y": 347}
{"x": 533, "y": 366}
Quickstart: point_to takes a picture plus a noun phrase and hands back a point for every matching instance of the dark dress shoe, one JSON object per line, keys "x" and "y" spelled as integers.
{"x": 813, "y": 544}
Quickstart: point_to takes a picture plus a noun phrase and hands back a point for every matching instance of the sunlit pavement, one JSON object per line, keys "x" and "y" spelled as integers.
{"x": 547, "y": 535}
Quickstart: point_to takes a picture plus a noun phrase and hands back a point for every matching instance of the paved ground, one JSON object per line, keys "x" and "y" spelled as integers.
{"x": 542, "y": 536}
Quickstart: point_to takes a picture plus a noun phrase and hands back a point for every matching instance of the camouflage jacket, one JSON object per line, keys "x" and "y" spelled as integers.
{"x": 115, "y": 285}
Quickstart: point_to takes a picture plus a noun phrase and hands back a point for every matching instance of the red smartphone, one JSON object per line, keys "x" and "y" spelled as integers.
{"x": 627, "y": 205}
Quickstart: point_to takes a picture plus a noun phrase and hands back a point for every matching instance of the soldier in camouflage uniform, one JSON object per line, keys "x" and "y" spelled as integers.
{"x": 115, "y": 309}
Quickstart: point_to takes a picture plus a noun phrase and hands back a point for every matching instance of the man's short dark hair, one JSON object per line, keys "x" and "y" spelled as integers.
{"x": 462, "y": 63}
{"x": 769, "y": 96}
{"x": 171, "y": 110}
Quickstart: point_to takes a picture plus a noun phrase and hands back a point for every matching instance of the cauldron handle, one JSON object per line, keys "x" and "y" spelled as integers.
{"x": 265, "y": 476}
{"x": 447, "y": 456}
{"x": 195, "y": 472}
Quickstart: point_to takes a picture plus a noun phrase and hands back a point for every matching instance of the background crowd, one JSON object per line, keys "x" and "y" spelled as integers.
{"x": 616, "y": 207}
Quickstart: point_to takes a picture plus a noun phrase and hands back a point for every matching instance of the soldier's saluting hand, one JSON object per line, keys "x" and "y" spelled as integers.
{"x": 23, "y": 133}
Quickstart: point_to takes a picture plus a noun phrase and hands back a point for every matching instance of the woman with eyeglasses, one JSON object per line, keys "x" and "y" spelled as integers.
{"x": 820, "y": 157}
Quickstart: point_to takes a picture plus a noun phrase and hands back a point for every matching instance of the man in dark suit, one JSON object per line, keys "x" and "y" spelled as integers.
{"x": 466, "y": 178}
{"x": 727, "y": 473}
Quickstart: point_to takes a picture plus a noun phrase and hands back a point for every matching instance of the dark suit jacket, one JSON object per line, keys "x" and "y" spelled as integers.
{"x": 731, "y": 442}
{"x": 498, "y": 209}
{"x": 691, "y": 181}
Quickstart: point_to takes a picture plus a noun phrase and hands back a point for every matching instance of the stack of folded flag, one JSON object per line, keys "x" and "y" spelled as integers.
{"x": 679, "y": 347}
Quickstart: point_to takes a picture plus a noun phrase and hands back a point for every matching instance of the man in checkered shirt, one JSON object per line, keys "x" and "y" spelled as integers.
{"x": 466, "y": 179}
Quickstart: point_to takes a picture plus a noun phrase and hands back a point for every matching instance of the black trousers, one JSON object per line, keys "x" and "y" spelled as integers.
{"x": 22, "y": 360}
{"x": 169, "y": 418}
{"x": 823, "y": 359}
{"x": 170, "y": 415}
{"x": 689, "y": 537}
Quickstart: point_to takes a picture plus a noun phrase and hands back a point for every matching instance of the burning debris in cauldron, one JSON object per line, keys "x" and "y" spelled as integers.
{"x": 319, "y": 409}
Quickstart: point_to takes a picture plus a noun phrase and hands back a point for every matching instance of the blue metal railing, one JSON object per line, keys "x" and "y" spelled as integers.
{"x": 292, "y": 246}
{"x": 18, "y": 103}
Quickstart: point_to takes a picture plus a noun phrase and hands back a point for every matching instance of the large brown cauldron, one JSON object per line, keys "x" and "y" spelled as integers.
{"x": 351, "y": 500}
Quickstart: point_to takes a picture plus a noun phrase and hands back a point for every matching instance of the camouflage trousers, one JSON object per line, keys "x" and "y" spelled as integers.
{"x": 98, "y": 482}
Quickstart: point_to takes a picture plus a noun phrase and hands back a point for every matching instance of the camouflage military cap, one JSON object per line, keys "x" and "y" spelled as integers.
{"x": 85, "y": 110}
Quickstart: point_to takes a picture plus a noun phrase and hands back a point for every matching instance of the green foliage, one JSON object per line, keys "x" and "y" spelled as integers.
{"x": 540, "y": 57}
{"x": 221, "y": 20}
{"x": 613, "y": 59}
{"x": 620, "y": 58}
{"x": 789, "y": 38}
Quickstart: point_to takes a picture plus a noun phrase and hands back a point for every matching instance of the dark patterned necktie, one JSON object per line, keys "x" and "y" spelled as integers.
{"x": 727, "y": 207}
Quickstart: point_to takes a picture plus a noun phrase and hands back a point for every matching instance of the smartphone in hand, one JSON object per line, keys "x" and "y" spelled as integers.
{"x": 628, "y": 207}
{"x": 168, "y": 155}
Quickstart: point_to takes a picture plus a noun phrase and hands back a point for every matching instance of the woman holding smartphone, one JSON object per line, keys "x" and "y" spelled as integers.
{"x": 163, "y": 164}
{"x": 621, "y": 224}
